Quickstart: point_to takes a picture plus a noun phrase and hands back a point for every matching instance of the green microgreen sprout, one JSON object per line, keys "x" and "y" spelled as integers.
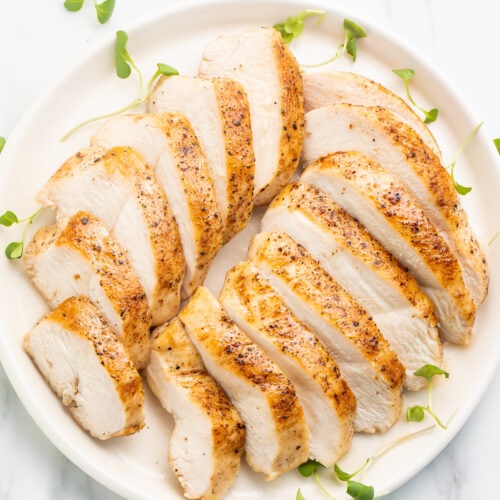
{"x": 73, "y": 5}
{"x": 496, "y": 142}
{"x": 406, "y": 74}
{"x": 416, "y": 413}
{"x": 356, "y": 489}
{"x": 352, "y": 33}
{"x": 2, "y": 143}
{"x": 104, "y": 10}
{"x": 15, "y": 249}
{"x": 124, "y": 65}
{"x": 462, "y": 190}
{"x": 294, "y": 25}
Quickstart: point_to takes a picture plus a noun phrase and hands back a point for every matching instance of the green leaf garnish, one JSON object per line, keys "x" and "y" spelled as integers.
{"x": 2, "y": 143}
{"x": 352, "y": 32}
{"x": 360, "y": 491}
{"x": 416, "y": 413}
{"x": 104, "y": 10}
{"x": 8, "y": 218}
{"x": 123, "y": 61}
{"x": 496, "y": 142}
{"x": 307, "y": 469}
{"x": 343, "y": 476}
{"x": 294, "y": 25}
{"x": 430, "y": 371}
{"x": 73, "y": 5}
{"x": 406, "y": 74}
{"x": 299, "y": 495}
{"x": 123, "y": 66}
{"x": 462, "y": 190}
{"x": 15, "y": 249}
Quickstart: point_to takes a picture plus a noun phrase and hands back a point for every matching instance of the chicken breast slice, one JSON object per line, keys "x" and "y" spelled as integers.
{"x": 88, "y": 368}
{"x": 391, "y": 214}
{"x": 367, "y": 363}
{"x": 81, "y": 258}
{"x": 169, "y": 146}
{"x": 219, "y": 113}
{"x": 117, "y": 187}
{"x": 276, "y": 432}
{"x": 326, "y": 399}
{"x": 365, "y": 269}
{"x": 322, "y": 89}
{"x": 209, "y": 436}
{"x": 379, "y": 134}
{"x": 267, "y": 70}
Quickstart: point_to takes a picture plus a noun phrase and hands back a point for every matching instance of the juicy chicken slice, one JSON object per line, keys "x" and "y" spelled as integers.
{"x": 390, "y": 213}
{"x": 117, "y": 187}
{"x": 270, "y": 75}
{"x": 379, "y": 134}
{"x": 323, "y": 89}
{"x": 219, "y": 113}
{"x": 365, "y": 269}
{"x": 209, "y": 437}
{"x": 88, "y": 368}
{"x": 81, "y": 258}
{"x": 276, "y": 438}
{"x": 326, "y": 399}
{"x": 367, "y": 363}
{"x": 169, "y": 146}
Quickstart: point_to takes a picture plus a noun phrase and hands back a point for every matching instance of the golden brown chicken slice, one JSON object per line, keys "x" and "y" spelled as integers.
{"x": 209, "y": 437}
{"x": 391, "y": 214}
{"x": 267, "y": 70}
{"x": 88, "y": 368}
{"x": 277, "y": 439}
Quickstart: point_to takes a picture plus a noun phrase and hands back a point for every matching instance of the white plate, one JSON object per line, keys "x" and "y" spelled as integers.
{"x": 136, "y": 466}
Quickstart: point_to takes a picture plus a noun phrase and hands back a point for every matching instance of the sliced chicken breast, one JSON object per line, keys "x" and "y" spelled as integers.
{"x": 322, "y": 89}
{"x": 169, "y": 146}
{"x": 365, "y": 269}
{"x": 209, "y": 436}
{"x": 88, "y": 368}
{"x": 117, "y": 187}
{"x": 276, "y": 433}
{"x": 367, "y": 363}
{"x": 326, "y": 399}
{"x": 81, "y": 258}
{"x": 219, "y": 113}
{"x": 267, "y": 70}
{"x": 378, "y": 133}
{"x": 391, "y": 214}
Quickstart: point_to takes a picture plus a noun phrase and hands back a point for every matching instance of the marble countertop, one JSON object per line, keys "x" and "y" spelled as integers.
{"x": 38, "y": 40}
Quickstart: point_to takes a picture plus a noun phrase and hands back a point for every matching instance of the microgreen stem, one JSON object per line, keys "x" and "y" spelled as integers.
{"x": 493, "y": 238}
{"x": 135, "y": 102}
{"x": 318, "y": 481}
{"x": 340, "y": 51}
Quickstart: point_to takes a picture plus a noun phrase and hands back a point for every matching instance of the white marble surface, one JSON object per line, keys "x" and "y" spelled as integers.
{"x": 38, "y": 40}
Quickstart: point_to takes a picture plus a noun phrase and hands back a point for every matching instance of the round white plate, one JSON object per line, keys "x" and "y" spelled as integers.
{"x": 136, "y": 466}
